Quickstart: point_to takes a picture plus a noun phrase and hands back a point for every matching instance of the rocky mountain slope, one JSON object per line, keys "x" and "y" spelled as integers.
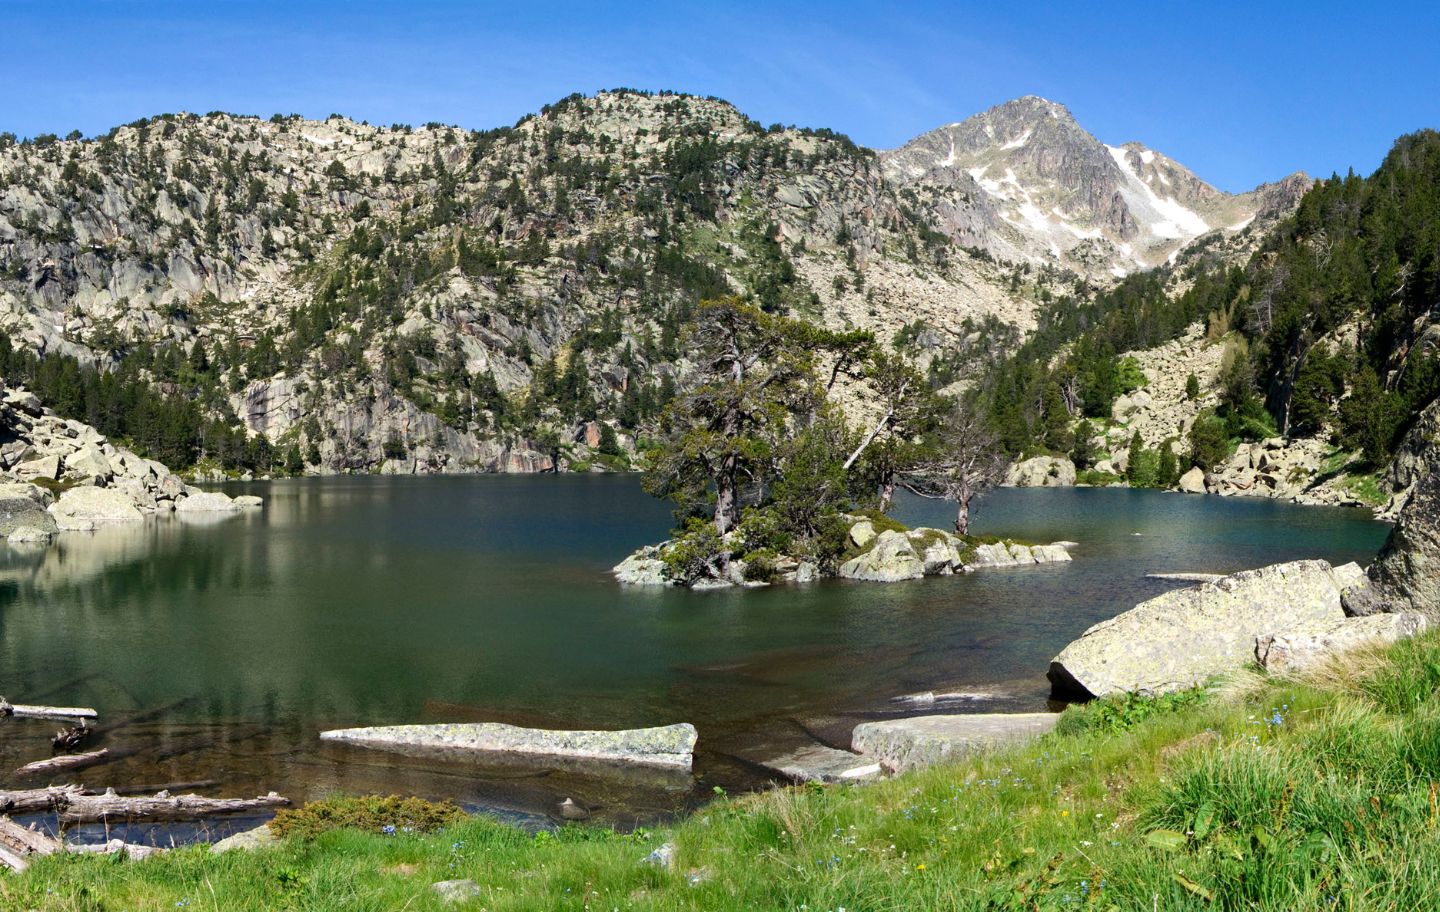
{"x": 434, "y": 299}
{"x": 1026, "y": 182}
{"x": 418, "y": 297}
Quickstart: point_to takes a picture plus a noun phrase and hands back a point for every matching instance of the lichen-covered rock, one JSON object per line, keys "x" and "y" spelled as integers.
{"x": 1302, "y": 649}
{"x": 85, "y": 508}
{"x": 248, "y": 840}
{"x": 667, "y": 746}
{"x": 891, "y": 558}
{"x": 643, "y": 568}
{"x": 1185, "y": 637}
{"x": 457, "y": 891}
{"x": 901, "y": 744}
{"x": 1042, "y": 472}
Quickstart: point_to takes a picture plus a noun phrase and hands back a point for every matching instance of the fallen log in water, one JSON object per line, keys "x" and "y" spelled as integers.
{"x": 30, "y": 801}
{"x": 63, "y": 762}
{"x": 19, "y": 844}
{"x": 112, "y": 807}
{"x": 29, "y": 711}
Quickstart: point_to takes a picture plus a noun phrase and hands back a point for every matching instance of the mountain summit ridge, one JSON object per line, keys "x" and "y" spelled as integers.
{"x": 1024, "y": 180}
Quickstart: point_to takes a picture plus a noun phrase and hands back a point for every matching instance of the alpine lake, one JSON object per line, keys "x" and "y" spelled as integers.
{"x": 215, "y": 652}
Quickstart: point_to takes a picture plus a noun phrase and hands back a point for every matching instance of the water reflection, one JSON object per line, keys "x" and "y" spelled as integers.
{"x": 219, "y": 650}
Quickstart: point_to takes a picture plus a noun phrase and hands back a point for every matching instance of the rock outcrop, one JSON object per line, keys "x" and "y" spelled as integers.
{"x": 1406, "y": 574}
{"x": 889, "y": 558}
{"x": 671, "y": 746}
{"x": 1183, "y": 638}
{"x": 901, "y": 744}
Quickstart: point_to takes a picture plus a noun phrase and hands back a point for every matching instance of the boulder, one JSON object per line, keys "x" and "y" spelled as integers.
{"x": 1183, "y": 638}
{"x": 901, "y": 744}
{"x": 85, "y": 508}
{"x": 939, "y": 551}
{"x": 249, "y": 500}
{"x": 248, "y": 840}
{"x": 1050, "y": 554}
{"x": 1042, "y": 472}
{"x": 670, "y": 746}
{"x": 891, "y": 558}
{"x": 89, "y": 462}
{"x": 1193, "y": 481}
{"x": 862, "y": 533}
{"x": 1302, "y": 649}
{"x": 41, "y": 467}
{"x": 207, "y": 502}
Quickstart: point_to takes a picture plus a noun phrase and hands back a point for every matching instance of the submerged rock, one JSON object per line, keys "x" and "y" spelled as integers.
{"x": 819, "y": 763}
{"x": 901, "y": 744}
{"x": 1183, "y": 638}
{"x": 667, "y": 746}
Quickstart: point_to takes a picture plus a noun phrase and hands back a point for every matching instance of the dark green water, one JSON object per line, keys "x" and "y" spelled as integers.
{"x": 215, "y": 652}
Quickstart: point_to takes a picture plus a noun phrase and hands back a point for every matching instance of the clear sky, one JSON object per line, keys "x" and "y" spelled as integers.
{"x": 1239, "y": 92}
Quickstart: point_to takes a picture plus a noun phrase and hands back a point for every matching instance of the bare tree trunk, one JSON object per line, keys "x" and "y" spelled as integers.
{"x": 962, "y": 512}
{"x": 887, "y": 494}
{"x": 727, "y": 496}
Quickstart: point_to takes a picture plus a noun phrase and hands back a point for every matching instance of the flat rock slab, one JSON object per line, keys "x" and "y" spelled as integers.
{"x": 1186, "y": 577}
{"x": 818, "y": 763}
{"x": 901, "y": 744}
{"x": 1301, "y": 649}
{"x": 670, "y": 746}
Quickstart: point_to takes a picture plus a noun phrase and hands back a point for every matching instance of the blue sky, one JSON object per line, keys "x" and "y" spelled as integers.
{"x": 1240, "y": 92}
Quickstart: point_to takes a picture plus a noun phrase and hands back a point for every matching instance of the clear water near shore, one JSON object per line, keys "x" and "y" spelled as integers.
{"x": 216, "y": 652}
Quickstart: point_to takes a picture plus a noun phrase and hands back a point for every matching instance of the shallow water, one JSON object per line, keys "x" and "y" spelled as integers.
{"x": 216, "y": 651}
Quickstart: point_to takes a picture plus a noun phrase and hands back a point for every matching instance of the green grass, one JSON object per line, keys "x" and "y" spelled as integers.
{"x": 1368, "y": 489}
{"x": 1097, "y": 479}
{"x": 1265, "y": 794}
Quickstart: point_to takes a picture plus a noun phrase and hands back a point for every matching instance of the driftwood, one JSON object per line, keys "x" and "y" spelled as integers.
{"x": 63, "y": 762}
{"x": 30, "y": 801}
{"x": 19, "y": 844}
{"x": 46, "y": 712}
{"x": 112, "y": 807}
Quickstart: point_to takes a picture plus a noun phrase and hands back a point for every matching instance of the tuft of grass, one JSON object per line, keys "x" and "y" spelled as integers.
{"x": 1318, "y": 792}
{"x": 368, "y": 813}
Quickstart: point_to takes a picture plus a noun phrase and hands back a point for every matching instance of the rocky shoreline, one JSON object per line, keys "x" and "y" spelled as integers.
{"x": 61, "y": 475}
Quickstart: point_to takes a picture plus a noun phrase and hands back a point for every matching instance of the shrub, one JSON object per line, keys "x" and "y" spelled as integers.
{"x": 1118, "y": 714}
{"x": 695, "y": 553}
{"x": 759, "y": 565}
{"x": 370, "y": 813}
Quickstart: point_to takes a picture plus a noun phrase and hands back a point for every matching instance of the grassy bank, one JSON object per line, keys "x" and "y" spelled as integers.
{"x": 1263, "y": 794}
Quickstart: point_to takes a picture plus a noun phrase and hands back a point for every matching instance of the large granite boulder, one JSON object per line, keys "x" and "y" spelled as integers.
{"x": 666, "y": 746}
{"x": 1185, "y": 637}
{"x": 1300, "y": 649}
{"x": 901, "y": 744}
{"x": 89, "y": 462}
{"x": 1042, "y": 472}
{"x": 85, "y": 508}
{"x": 891, "y": 558}
{"x": 1193, "y": 481}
